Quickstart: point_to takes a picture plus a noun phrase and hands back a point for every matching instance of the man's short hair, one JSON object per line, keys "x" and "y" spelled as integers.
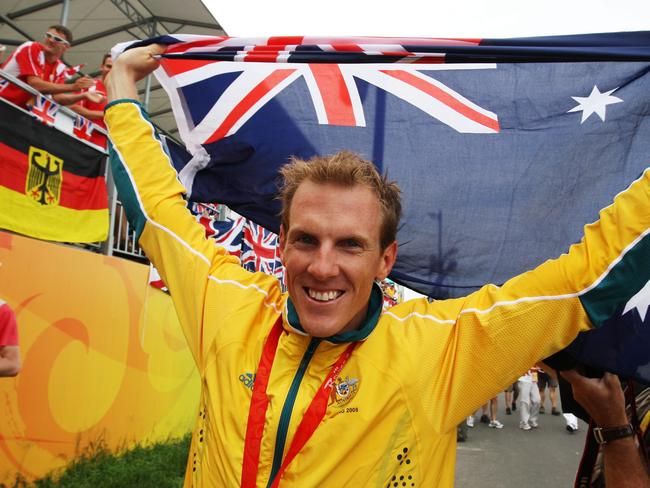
{"x": 63, "y": 30}
{"x": 106, "y": 56}
{"x": 346, "y": 169}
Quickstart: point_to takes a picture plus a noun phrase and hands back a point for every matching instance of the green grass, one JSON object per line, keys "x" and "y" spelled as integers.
{"x": 157, "y": 466}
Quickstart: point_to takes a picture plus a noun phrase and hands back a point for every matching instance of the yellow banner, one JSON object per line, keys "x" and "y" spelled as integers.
{"x": 104, "y": 358}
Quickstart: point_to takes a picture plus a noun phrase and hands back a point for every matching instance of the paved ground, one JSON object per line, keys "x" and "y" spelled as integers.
{"x": 546, "y": 457}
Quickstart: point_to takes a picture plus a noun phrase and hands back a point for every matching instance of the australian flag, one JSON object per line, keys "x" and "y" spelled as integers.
{"x": 504, "y": 148}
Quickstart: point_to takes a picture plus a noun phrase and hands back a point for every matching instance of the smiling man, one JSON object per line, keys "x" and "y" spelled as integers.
{"x": 39, "y": 65}
{"x": 332, "y": 256}
{"x": 317, "y": 387}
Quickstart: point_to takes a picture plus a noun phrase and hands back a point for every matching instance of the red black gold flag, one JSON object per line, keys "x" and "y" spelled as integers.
{"x": 51, "y": 186}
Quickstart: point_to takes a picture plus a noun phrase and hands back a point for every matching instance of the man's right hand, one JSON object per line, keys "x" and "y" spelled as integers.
{"x": 83, "y": 83}
{"x": 94, "y": 97}
{"x": 130, "y": 67}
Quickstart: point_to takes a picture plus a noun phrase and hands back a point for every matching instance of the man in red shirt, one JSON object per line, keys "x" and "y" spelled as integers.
{"x": 9, "y": 352}
{"x": 92, "y": 107}
{"x": 39, "y": 65}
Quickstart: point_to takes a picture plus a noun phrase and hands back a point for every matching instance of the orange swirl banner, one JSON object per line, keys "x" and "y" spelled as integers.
{"x": 104, "y": 358}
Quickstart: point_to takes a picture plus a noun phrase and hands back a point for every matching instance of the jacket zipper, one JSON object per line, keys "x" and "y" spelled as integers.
{"x": 287, "y": 409}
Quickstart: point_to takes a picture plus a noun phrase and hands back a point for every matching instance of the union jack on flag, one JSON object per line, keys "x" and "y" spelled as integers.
{"x": 259, "y": 72}
{"x": 260, "y": 251}
{"x": 83, "y": 128}
{"x": 44, "y": 109}
{"x": 227, "y": 233}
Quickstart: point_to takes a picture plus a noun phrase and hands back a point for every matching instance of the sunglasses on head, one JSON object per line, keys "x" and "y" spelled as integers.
{"x": 56, "y": 38}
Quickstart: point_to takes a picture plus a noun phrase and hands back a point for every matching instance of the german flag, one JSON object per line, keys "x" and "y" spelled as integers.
{"x": 51, "y": 186}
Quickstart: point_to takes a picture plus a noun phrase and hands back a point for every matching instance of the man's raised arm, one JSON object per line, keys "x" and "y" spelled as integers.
{"x": 498, "y": 332}
{"x": 152, "y": 196}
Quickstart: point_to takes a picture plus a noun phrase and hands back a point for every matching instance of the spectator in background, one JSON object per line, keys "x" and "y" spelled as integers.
{"x": 604, "y": 401}
{"x": 39, "y": 65}
{"x": 494, "y": 407}
{"x": 92, "y": 106}
{"x": 9, "y": 352}
{"x": 510, "y": 398}
{"x": 528, "y": 399}
{"x": 543, "y": 380}
{"x": 569, "y": 418}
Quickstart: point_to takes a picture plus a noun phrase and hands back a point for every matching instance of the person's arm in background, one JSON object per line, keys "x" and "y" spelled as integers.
{"x": 604, "y": 401}
{"x": 9, "y": 360}
{"x": 85, "y": 112}
{"x": 9, "y": 351}
{"x": 72, "y": 99}
{"x": 69, "y": 99}
{"x": 50, "y": 88}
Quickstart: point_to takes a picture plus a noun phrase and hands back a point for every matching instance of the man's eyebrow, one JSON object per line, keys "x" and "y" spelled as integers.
{"x": 355, "y": 237}
{"x": 296, "y": 230}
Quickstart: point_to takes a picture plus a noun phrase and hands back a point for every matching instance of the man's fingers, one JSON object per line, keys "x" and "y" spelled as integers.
{"x": 157, "y": 49}
{"x": 572, "y": 376}
{"x": 611, "y": 381}
{"x": 138, "y": 62}
{"x": 131, "y": 66}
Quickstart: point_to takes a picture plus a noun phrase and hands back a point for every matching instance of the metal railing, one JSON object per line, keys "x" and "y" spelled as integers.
{"x": 64, "y": 121}
{"x": 122, "y": 237}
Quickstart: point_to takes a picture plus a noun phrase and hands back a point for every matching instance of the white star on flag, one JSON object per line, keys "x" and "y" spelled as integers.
{"x": 640, "y": 301}
{"x": 596, "y": 102}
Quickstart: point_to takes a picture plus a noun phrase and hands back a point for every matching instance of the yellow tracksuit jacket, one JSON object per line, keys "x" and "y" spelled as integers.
{"x": 420, "y": 369}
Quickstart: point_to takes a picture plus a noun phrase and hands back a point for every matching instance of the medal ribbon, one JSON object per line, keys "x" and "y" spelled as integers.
{"x": 260, "y": 402}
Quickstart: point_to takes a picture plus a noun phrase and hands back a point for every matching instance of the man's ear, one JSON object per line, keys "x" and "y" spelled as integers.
{"x": 388, "y": 258}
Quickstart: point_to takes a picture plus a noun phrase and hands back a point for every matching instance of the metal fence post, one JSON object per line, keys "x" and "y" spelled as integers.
{"x": 107, "y": 245}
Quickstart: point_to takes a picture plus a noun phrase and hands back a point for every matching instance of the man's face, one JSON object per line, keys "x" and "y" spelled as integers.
{"x": 55, "y": 43}
{"x": 332, "y": 254}
{"x": 106, "y": 66}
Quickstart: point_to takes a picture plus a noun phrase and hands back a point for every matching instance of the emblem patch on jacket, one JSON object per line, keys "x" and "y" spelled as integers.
{"x": 344, "y": 391}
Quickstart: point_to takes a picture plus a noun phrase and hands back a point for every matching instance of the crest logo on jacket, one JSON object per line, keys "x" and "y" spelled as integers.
{"x": 344, "y": 391}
